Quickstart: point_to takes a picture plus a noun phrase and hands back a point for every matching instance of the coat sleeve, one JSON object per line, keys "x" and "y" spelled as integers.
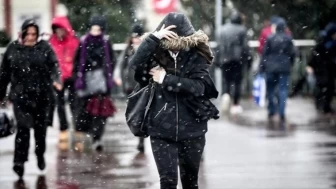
{"x": 53, "y": 65}
{"x": 141, "y": 61}
{"x": 5, "y": 73}
{"x": 197, "y": 83}
{"x": 266, "y": 51}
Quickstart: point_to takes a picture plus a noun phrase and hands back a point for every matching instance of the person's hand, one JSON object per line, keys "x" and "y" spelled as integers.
{"x": 165, "y": 33}
{"x": 57, "y": 86}
{"x": 118, "y": 81}
{"x": 158, "y": 74}
{"x": 309, "y": 70}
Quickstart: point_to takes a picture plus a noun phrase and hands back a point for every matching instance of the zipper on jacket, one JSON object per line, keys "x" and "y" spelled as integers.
{"x": 177, "y": 106}
{"x": 163, "y": 108}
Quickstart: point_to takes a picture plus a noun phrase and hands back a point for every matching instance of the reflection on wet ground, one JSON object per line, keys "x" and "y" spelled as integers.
{"x": 297, "y": 156}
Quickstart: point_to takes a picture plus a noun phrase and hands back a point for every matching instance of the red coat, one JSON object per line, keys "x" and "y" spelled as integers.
{"x": 265, "y": 33}
{"x": 65, "y": 49}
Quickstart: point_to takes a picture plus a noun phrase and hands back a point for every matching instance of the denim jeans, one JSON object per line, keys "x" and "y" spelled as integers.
{"x": 277, "y": 83}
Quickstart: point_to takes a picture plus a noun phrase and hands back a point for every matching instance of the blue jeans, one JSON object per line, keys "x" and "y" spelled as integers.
{"x": 277, "y": 81}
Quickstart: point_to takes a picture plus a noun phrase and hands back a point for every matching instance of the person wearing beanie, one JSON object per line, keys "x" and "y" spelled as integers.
{"x": 64, "y": 44}
{"x": 276, "y": 62}
{"x": 323, "y": 66}
{"x": 123, "y": 74}
{"x": 93, "y": 73}
{"x": 31, "y": 67}
{"x": 177, "y": 59}
{"x": 234, "y": 57}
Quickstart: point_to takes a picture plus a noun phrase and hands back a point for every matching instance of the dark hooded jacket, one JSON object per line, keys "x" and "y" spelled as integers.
{"x": 181, "y": 106}
{"x": 233, "y": 44}
{"x": 279, "y": 51}
{"x": 30, "y": 70}
{"x": 323, "y": 59}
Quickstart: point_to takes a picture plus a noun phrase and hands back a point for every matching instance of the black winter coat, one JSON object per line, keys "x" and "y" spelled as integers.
{"x": 184, "y": 93}
{"x": 278, "y": 55}
{"x": 30, "y": 70}
{"x": 323, "y": 61}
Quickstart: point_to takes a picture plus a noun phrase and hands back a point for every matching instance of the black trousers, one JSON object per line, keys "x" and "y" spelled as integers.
{"x": 233, "y": 75}
{"x": 186, "y": 154}
{"x": 61, "y": 102}
{"x": 324, "y": 95}
{"x": 30, "y": 115}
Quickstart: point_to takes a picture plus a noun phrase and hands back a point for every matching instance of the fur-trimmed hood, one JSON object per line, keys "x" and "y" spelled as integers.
{"x": 198, "y": 40}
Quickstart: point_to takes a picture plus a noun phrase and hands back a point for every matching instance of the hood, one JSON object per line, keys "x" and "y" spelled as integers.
{"x": 99, "y": 21}
{"x": 330, "y": 29}
{"x": 281, "y": 25}
{"x": 27, "y": 23}
{"x": 274, "y": 19}
{"x": 182, "y": 23}
{"x": 63, "y": 22}
{"x": 198, "y": 40}
{"x": 236, "y": 18}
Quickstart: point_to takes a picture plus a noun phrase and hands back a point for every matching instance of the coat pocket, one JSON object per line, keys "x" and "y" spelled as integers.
{"x": 164, "y": 118}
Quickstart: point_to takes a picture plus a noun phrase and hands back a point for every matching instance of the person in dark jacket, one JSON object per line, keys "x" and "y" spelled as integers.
{"x": 323, "y": 66}
{"x": 177, "y": 59}
{"x": 234, "y": 55}
{"x": 277, "y": 60}
{"x": 65, "y": 44}
{"x": 32, "y": 69}
{"x": 123, "y": 74}
{"x": 94, "y": 54}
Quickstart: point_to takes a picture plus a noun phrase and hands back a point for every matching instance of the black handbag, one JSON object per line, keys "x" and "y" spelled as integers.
{"x": 7, "y": 126}
{"x": 138, "y": 105}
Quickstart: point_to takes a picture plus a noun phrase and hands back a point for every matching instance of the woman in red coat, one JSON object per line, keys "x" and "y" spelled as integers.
{"x": 65, "y": 44}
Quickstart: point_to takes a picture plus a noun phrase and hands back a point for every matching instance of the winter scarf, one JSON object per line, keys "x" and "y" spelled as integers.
{"x": 80, "y": 82}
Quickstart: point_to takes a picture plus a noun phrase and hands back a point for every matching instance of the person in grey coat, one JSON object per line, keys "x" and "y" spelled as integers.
{"x": 234, "y": 54}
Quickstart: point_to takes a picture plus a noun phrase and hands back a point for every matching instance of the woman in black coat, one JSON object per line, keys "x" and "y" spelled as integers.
{"x": 32, "y": 69}
{"x": 177, "y": 58}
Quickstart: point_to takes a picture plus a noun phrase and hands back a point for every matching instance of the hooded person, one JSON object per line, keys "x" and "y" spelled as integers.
{"x": 94, "y": 64}
{"x": 177, "y": 58}
{"x": 322, "y": 65}
{"x": 123, "y": 74}
{"x": 234, "y": 56}
{"x": 31, "y": 67}
{"x": 276, "y": 61}
{"x": 64, "y": 44}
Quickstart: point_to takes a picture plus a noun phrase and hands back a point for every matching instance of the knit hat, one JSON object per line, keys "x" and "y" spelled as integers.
{"x": 137, "y": 30}
{"x": 98, "y": 21}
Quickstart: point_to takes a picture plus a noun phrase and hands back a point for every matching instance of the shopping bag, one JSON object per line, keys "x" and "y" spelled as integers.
{"x": 259, "y": 90}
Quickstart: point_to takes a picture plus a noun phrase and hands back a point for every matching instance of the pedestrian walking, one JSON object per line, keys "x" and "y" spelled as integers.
{"x": 124, "y": 74}
{"x": 234, "y": 56}
{"x": 177, "y": 58}
{"x": 276, "y": 61}
{"x": 64, "y": 44}
{"x": 94, "y": 81}
{"x": 31, "y": 67}
{"x": 323, "y": 66}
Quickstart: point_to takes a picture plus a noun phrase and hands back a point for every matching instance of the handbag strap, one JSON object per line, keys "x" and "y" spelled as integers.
{"x": 150, "y": 100}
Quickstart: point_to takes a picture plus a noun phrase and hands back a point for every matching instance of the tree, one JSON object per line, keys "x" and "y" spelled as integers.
{"x": 119, "y": 15}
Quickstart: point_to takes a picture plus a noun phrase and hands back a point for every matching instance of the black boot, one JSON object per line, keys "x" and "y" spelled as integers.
{"x": 41, "y": 163}
{"x": 141, "y": 145}
{"x": 18, "y": 168}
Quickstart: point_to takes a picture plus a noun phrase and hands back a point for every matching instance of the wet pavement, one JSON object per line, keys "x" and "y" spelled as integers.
{"x": 241, "y": 152}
